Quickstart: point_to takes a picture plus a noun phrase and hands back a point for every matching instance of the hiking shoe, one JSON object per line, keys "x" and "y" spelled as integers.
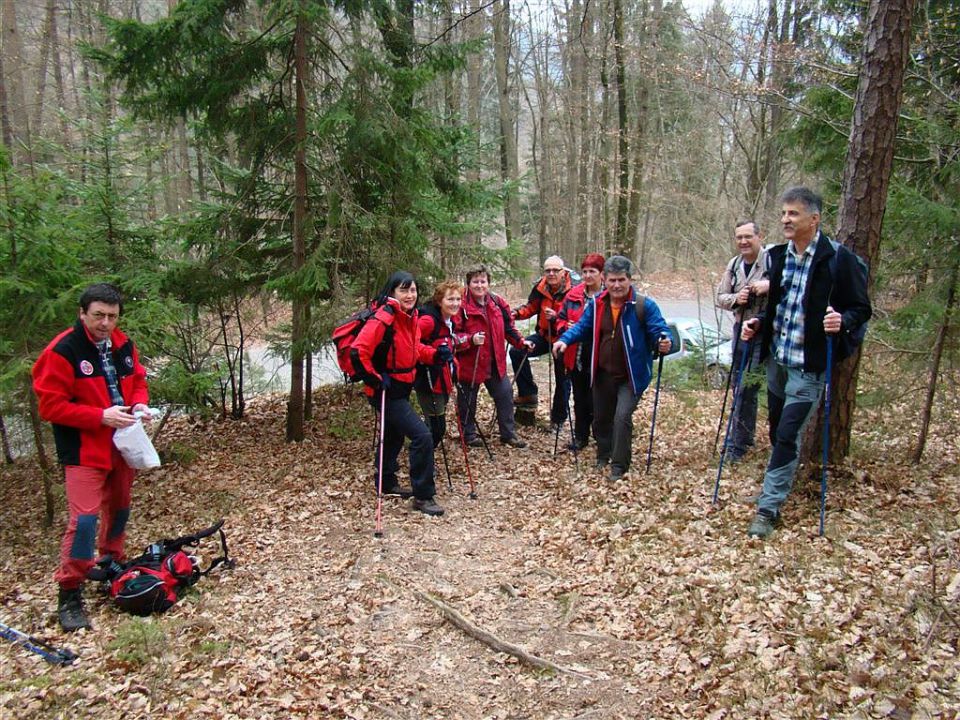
{"x": 525, "y": 401}
{"x": 577, "y": 445}
{"x": 513, "y": 442}
{"x": 475, "y": 442}
{"x": 70, "y": 610}
{"x": 616, "y": 473}
{"x": 602, "y": 463}
{"x": 427, "y": 507}
{"x": 735, "y": 457}
{"x": 396, "y": 491}
{"x": 763, "y": 525}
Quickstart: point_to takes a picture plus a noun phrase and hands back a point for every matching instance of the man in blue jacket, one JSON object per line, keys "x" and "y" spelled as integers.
{"x": 626, "y": 328}
{"x": 816, "y": 289}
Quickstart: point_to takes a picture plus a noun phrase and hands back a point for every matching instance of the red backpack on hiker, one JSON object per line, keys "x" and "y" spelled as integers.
{"x": 344, "y": 335}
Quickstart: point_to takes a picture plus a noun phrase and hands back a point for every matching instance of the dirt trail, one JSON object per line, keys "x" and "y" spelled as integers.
{"x": 657, "y": 602}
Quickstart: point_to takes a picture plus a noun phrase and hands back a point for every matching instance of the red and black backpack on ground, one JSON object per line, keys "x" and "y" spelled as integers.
{"x": 154, "y": 581}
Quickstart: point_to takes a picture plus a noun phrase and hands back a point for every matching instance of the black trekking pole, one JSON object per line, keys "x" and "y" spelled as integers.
{"x": 656, "y": 401}
{"x": 45, "y": 650}
{"x": 446, "y": 465}
{"x": 726, "y": 393}
{"x": 378, "y": 527}
{"x": 573, "y": 436}
{"x": 463, "y": 442}
{"x": 734, "y": 413}
{"x": 826, "y": 434}
{"x": 475, "y": 396}
{"x": 433, "y": 409}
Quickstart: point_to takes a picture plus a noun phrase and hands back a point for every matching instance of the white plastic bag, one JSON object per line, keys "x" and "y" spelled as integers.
{"x": 135, "y": 446}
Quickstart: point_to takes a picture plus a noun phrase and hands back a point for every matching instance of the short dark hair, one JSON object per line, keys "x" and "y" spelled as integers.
{"x": 805, "y": 196}
{"x": 618, "y": 265}
{"x": 477, "y": 270}
{"x": 747, "y": 221}
{"x": 400, "y": 278}
{"x": 101, "y": 292}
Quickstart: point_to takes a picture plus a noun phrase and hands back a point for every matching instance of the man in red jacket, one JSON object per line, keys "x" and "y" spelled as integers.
{"x": 89, "y": 382}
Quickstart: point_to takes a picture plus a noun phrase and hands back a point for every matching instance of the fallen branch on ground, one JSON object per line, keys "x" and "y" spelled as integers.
{"x": 490, "y": 640}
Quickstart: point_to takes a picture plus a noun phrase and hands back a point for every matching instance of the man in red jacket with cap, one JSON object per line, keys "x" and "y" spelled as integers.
{"x": 89, "y": 382}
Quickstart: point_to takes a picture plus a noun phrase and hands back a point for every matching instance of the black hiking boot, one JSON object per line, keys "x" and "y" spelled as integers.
{"x": 427, "y": 507}
{"x": 70, "y": 610}
{"x": 395, "y": 490}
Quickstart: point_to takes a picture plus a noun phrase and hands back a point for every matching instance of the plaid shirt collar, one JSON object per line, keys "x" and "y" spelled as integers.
{"x": 110, "y": 371}
{"x": 788, "y": 326}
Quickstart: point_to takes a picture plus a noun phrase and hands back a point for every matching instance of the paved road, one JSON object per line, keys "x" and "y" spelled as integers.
{"x": 274, "y": 372}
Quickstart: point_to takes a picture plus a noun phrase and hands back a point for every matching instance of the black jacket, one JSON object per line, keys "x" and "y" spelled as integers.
{"x": 848, "y": 296}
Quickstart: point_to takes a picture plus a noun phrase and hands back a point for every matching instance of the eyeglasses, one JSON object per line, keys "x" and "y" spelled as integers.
{"x": 100, "y": 317}
{"x": 551, "y": 271}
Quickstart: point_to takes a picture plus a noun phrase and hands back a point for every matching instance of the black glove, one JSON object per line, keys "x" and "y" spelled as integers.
{"x": 384, "y": 383}
{"x": 443, "y": 355}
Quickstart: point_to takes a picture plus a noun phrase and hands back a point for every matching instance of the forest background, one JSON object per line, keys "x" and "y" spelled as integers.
{"x": 213, "y": 155}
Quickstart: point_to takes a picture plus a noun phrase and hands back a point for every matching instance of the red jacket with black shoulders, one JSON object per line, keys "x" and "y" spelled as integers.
{"x": 72, "y": 393}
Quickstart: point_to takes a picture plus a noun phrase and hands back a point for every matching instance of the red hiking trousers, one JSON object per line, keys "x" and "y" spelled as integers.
{"x": 94, "y": 496}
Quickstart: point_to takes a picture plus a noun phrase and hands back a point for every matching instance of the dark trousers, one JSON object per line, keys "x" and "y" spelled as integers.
{"x": 744, "y": 424}
{"x": 527, "y": 386}
{"x": 582, "y": 404}
{"x": 401, "y": 421}
{"x": 613, "y": 406}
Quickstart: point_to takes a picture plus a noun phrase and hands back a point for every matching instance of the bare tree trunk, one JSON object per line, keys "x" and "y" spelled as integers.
{"x": 475, "y": 30}
{"x": 42, "y": 70}
{"x": 308, "y": 371}
{"x": 509, "y": 164}
{"x": 16, "y": 90}
{"x": 183, "y": 150}
{"x": 7, "y": 128}
{"x": 46, "y": 469}
{"x": 935, "y": 361}
{"x": 622, "y": 244}
{"x": 867, "y": 173}
{"x": 58, "y": 73}
{"x": 5, "y": 440}
{"x": 298, "y": 333}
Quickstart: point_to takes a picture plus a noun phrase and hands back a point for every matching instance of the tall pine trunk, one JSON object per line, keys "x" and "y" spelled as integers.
{"x": 866, "y": 177}
{"x": 298, "y": 332}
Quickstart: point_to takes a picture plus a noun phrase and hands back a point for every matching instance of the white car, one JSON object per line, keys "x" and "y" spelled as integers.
{"x": 693, "y": 337}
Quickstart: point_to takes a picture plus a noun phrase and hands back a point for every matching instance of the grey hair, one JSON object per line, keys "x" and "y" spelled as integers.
{"x": 748, "y": 221}
{"x": 805, "y": 196}
{"x": 557, "y": 258}
{"x": 618, "y": 265}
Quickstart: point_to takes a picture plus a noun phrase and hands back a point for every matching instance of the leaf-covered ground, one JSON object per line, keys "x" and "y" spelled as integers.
{"x": 654, "y": 603}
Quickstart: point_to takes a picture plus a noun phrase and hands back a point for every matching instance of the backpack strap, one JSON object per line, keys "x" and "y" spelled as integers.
{"x": 194, "y": 540}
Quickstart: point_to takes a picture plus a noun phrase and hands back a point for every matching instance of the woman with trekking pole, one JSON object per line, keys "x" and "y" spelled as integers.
{"x": 434, "y": 382}
{"x": 484, "y": 319}
{"x": 387, "y": 351}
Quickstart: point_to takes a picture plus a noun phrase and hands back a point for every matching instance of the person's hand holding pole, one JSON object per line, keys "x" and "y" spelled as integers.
{"x": 832, "y": 321}
{"x": 479, "y": 338}
{"x": 559, "y": 347}
{"x": 663, "y": 347}
{"x": 749, "y": 329}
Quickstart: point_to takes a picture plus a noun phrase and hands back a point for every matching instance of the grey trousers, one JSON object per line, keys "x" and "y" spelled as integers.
{"x": 613, "y": 406}
{"x": 501, "y": 392}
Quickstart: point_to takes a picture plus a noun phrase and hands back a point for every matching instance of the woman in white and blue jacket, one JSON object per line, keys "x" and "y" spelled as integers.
{"x": 626, "y": 329}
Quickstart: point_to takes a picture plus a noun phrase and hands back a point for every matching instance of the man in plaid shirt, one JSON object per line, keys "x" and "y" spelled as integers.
{"x": 807, "y": 300}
